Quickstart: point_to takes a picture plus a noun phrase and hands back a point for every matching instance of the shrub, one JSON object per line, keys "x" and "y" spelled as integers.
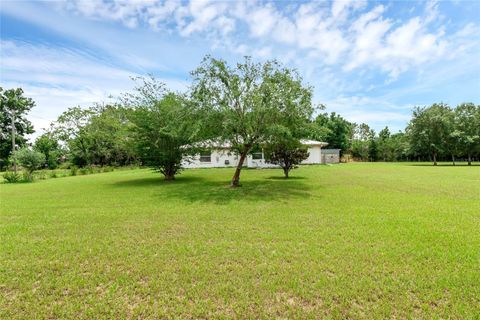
{"x": 288, "y": 154}
{"x": 11, "y": 177}
{"x": 83, "y": 171}
{"x": 64, "y": 165}
{"x": 42, "y": 175}
{"x": 30, "y": 160}
{"x": 27, "y": 176}
{"x": 73, "y": 170}
{"x": 53, "y": 174}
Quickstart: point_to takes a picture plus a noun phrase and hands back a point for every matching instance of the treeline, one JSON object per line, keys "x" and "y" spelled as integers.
{"x": 249, "y": 106}
{"x": 437, "y": 132}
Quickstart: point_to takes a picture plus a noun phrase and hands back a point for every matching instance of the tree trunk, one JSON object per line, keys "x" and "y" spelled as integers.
{"x": 169, "y": 177}
{"x": 453, "y": 159}
{"x": 285, "y": 171}
{"x": 169, "y": 173}
{"x": 434, "y": 159}
{"x": 236, "y": 177}
{"x": 13, "y": 143}
{"x": 469, "y": 159}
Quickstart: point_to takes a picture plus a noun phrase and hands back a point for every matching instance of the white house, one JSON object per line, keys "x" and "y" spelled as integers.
{"x": 222, "y": 156}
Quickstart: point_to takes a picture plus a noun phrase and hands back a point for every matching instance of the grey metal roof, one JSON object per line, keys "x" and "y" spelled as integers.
{"x": 330, "y": 151}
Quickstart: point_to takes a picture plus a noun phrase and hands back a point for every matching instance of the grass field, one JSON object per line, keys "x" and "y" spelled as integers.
{"x": 343, "y": 241}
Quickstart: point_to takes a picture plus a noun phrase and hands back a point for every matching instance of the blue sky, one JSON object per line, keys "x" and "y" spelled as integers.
{"x": 369, "y": 61}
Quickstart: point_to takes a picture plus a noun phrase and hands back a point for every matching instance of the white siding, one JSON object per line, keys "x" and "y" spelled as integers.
{"x": 314, "y": 156}
{"x": 220, "y": 157}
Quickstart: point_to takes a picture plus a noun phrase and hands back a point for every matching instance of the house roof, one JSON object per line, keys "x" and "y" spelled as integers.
{"x": 331, "y": 151}
{"x": 313, "y": 143}
{"x": 227, "y": 145}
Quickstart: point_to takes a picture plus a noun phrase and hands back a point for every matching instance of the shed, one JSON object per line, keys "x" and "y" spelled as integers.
{"x": 330, "y": 155}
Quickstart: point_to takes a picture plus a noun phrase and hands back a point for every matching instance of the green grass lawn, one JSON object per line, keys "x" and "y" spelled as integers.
{"x": 342, "y": 241}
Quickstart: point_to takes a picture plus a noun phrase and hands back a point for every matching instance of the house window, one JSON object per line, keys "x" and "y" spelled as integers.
{"x": 257, "y": 156}
{"x": 205, "y": 157}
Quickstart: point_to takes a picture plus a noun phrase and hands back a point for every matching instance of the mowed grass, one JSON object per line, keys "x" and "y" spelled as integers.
{"x": 343, "y": 241}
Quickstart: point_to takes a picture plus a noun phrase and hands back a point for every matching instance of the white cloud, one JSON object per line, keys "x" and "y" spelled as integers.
{"x": 374, "y": 111}
{"x": 202, "y": 16}
{"x": 394, "y": 50}
{"x": 342, "y": 32}
{"x": 341, "y": 8}
{"x": 59, "y": 78}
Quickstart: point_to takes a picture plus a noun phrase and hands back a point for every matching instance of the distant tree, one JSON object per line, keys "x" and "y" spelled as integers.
{"x": 164, "y": 127}
{"x": 14, "y": 107}
{"x": 385, "y": 147}
{"x": 429, "y": 130}
{"x": 49, "y": 146}
{"x": 70, "y": 128}
{"x": 30, "y": 160}
{"x": 451, "y": 143}
{"x": 250, "y": 100}
{"x": 372, "y": 147}
{"x": 98, "y": 135}
{"x": 335, "y": 130}
{"x": 400, "y": 147}
{"x": 107, "y": 136}
{"x": 466, "y": 129}
{"x": 361, "y": 142}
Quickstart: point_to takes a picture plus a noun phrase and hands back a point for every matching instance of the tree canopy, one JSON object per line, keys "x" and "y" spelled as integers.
{"x": 429, "y": 130}
{"x": 251, "y": 101}
{"x": 14, "y": 107}
{"x": 164, "y": 127}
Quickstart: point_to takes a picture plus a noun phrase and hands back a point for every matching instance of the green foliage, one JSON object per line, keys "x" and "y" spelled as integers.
{"x": 70, "y": 128}
{"x": 362, "y": 142}
{"x": 107, "y": 169}
{"x": 11, "y": 177}
{"x": 466, "y": 129}
{"x": 73, "y": 170}
{"x": 249, "y": 101}
{"x": 41, "y": 175}
{"x": 30, "y": 160}
{"x": 13, "y": 105}
{"x": 393, "y": 147}
{"x": 27, "y": 176}
{"x": 164, "y": 130}
{"x": 430, "y": 129}
{"x": 335, "y": 130}
{"x": 287, "y": 153}
{"x": 96, "y": 136}
{"x": 372, "y": 147}
{"x": 48, "y": 144}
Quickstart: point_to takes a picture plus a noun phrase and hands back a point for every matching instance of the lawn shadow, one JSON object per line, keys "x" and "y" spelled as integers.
{"x": 283, "y": 178}
{"x": 158, "y": 181}
{"x": 199, "y": 189}
{"x": 461, "y": 165}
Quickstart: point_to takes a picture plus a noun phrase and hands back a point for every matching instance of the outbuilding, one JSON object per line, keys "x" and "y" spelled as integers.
{"x": 330, "y": 156}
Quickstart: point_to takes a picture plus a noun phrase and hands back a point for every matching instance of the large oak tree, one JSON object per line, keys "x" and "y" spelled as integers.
{"x": 249, "y": 101}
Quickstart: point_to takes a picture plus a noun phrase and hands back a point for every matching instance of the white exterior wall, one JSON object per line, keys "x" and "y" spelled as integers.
{"x": 315, "y": 155}
{"x": 218, "y": 159}
{"x": 220, "y": 156}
